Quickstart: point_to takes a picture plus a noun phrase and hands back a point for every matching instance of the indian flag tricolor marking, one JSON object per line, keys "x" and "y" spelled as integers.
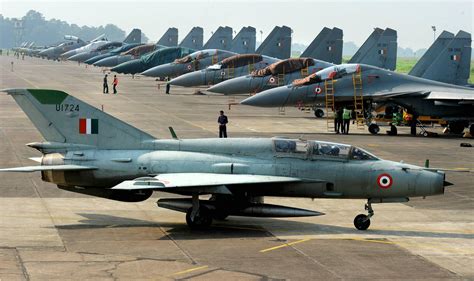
{"x": 88, "y": 126}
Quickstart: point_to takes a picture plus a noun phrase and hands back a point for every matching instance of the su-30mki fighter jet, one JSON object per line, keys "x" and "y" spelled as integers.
{"x": 421, "y": 97}
{"x": 90, "y": 152}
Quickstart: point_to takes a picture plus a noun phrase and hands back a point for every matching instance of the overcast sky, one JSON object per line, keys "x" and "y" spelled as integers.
{"x": 412, "y": 19}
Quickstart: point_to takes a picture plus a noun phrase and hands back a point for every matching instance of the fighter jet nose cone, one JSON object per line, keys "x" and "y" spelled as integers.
{"x": 77, "y": 57}
{"x": 164, "y": 70}
{"x": 270, "y": 98}
{"x": 233, "y": 86}
{"x": 188, "y": 80}
{"x": 107, "y": 62}
{"x": 68, "y": 54}
{"x": 132, "y": 67}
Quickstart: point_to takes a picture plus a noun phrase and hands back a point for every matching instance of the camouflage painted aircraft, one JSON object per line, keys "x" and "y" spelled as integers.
{"x": 418, "y": 95}
{"x": 71, "y": 43}
{"x": 169, "y": 39}
{"x": 134, "y": 37}
{"x": 275, "y": 46}
{"x": 90, "y": 152}
{"x": 243, "y": 43}
{"x": 219, "y": 40}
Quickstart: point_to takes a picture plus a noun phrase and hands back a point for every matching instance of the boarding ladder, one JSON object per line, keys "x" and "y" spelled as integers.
{"x": 281, "y": 79}
{"x": 251, "y": 68}
{"x": 214, "y": 59}
{"x": 304, "y": 72}
{"x": 330, "y": 111}
{"x": 358, "y": 99}
{"x": 230, "y": 72}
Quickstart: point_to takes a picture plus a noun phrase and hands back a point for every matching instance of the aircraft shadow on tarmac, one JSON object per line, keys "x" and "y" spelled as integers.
{"x": 235, "y": 227}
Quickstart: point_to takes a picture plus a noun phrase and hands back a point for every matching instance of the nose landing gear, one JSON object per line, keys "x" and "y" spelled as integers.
{"x": 361, "y": 221}
{"x": 198, "y": 216}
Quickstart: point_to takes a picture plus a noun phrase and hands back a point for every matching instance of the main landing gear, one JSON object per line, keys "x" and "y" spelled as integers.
{"x": 198, "y": 216}
{"x": 361, "y": 221}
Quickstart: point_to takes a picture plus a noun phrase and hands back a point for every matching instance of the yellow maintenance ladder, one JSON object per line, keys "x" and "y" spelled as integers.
{"x": 330, "y": 110}
{"x": 358, "y": 99}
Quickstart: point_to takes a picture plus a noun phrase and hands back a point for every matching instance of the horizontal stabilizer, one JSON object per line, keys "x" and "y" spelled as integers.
{"x": 199, "y": 179}
{"x": 28, "y": 169}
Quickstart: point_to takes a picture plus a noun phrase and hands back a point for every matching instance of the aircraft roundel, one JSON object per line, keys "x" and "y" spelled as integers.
{"x": 190, "y": 67}
{"x": 384, "y": 181}
{"x": 317, "y": 90}
{"x": 272, "y": 80}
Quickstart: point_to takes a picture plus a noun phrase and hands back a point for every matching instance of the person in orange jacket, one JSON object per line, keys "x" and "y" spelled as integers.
{"x": 115, "y": 83}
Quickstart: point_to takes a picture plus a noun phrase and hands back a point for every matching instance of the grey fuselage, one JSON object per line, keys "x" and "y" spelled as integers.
{"x": 378, "y": 85}
{"x": 212, "y": 76}
{"x": 249, "y": 84}
{"x": 324, "y": 175}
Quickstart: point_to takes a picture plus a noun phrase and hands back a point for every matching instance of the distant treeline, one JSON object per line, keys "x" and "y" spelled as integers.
{"x": 34, "y": 28}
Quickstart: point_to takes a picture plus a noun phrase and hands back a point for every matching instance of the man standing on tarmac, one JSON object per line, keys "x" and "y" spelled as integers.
{"x": 222, "y": 121}
{"x": 115, "y": 83}
{"x": 338, "y": 126}
{"x": 346, "y": 117}
{"x": 105, "y": 89}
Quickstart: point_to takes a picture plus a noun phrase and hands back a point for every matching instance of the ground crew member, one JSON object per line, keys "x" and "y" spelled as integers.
{"x": 338, "y": 121}
{"x": 393, "y": 130}
{"x": 106, "y": 85}
{"x": 346, "y": 118}
{"x": 115, "y": 83}
{"x": 222, "y": 120}
{"x": 168, "y": 86}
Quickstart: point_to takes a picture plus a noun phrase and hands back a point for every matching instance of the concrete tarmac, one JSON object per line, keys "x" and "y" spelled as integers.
{"x": 47, "y": 233}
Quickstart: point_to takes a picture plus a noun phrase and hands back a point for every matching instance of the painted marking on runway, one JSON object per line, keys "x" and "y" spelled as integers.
{"x": 189, "y": 270}
{"x": 284, "y": 245}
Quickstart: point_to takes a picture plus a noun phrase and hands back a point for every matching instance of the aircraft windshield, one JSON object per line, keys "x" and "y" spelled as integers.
{"x": 332, "y": 72}
{"x": 284, "y": 66}
{"x": 331, "y": 150}
{"x": 360, "y": 154}
{"x": 194, "y": 56}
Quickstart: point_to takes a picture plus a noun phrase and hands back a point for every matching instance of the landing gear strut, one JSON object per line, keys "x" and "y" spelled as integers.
{"x": 198, "y": 216}
{"x": 361, "y": 221}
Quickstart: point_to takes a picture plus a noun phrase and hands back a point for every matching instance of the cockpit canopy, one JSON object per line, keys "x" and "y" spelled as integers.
{"x": 240, "y": 60}
{"x": 195, "y": 56}
{"x": 332, "y": 72}
{"x": 139, "y": 50}
{"x": 284, "y": 66}
{"x": 320, "y": 149}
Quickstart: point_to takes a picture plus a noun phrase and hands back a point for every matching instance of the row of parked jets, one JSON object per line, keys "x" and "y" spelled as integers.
{"x": 90, "y": 152}
{"x": 436, "y": 86}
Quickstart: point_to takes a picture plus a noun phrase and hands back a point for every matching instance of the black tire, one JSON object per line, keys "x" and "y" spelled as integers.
{"x": 456, "y": 127}
{"x": 202, "y": 220}
{"x": 319, "y": 113}
{"x": 374, "y": 129}
{"x": 361, "y": 222}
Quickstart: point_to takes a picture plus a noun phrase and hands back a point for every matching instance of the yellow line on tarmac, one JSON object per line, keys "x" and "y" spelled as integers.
{"x": 285, "y": 245}
{"x": 189, "y": 270}
{"x": 369, "y": 240}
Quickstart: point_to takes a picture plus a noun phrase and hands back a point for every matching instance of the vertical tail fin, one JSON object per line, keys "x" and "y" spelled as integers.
{"x": 194, "y": 39}
{"x": 62, "y": 118}
{"x": 327, "y": 46}
{"x": 380, "y": 49}
{"x": 170, "y": 38}
{"x": 221, "y": 39}
{"x": 451, "y": 62}
{"x": 277, "y": 44}
{"x": 135, "y": 36}
{"x": 244, "y": 42}
{"x": 431, "y": 54}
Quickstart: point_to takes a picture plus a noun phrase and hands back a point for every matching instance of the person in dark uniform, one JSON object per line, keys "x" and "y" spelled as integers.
{"x": 338, "y": 121}
{"x": 222, "y": 121}
{"x": 393, "y": 130}
{"x": 106, "y": 85}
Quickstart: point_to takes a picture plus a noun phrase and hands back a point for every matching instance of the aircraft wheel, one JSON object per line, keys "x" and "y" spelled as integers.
{"x": 425, "y": 134}
{"x": 362, "y": 222}
{"x": 374, "y": 129}
{"x": 319, "y": 113}
{"x": 201, "y": 220}
{"x": 456, "y": 127}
